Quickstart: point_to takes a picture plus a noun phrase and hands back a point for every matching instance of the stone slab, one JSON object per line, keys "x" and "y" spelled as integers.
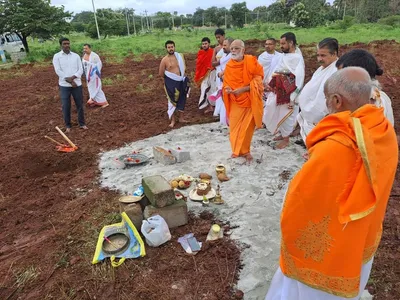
{"x": 175, "y": 215}
{"x": 134, "y": 212}
{"x": 163, "y": 156}
{"x": 180, "y": 154}
{"x": 158, "y": 191}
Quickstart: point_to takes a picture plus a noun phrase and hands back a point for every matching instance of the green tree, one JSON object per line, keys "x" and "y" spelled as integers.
{"x": 238, "y": 12}
{"x": 299, "y": 15}
{"x": 198, "y": 17}
{"x": 33, "y": 18}
{"x": 278, "y": 12}
{"x": 110, "y": 23}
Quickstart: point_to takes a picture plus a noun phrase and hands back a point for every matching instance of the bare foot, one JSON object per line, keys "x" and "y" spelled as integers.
{"x": 182, "y": 120}
{"x": 234, "y": 156}
{"x": 249, "y": 158}
{"x": 278, "y": 138}
{"x": 209, "y": 109}
{"x": 306, "y": 156}
{"x": 283, "y": 144}
{"x": 84, "y": 127}
{"x": 295, "y": 132}
{"x": 172, "y": 124}
{"x": 67, "y": 130}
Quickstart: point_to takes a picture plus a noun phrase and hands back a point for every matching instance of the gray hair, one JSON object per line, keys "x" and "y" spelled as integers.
{"x": 352, "y": 83}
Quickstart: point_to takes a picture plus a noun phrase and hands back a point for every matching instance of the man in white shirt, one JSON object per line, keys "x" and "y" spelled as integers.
{"x": 68, "y": 67}
{"x": 312, "y": 100}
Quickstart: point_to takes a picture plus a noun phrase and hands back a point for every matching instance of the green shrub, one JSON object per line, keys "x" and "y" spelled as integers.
{"x": 344, "y": 24}
{"x": 393, "y": 21}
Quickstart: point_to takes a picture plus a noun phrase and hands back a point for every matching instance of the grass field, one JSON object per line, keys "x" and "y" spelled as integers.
{"x": 116, "y": 48}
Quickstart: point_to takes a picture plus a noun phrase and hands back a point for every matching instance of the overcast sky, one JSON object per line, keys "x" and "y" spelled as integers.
{"x": 152, "y": 6}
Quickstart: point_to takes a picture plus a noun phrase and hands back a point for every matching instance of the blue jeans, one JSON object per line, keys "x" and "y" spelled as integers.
{"x": 65, "y": 95}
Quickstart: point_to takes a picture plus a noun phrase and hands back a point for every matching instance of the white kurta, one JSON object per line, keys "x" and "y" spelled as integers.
{"x": 312, "y": 100}
{"x": 92, "y": 69}
{"x": 279, "y": 118}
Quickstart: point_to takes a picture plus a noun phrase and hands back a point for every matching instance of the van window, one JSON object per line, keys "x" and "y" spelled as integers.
{"x": 9, "y": 38}
{"x": 16, "y": 37}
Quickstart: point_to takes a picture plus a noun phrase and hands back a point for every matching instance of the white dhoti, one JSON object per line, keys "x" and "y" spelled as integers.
{"x": 216, "y": 97}
{"x": 279, "y": 118}
{"x": 207, "y": 87}
{"x": 92, "y": 69}
{"x": 285, "y": 288}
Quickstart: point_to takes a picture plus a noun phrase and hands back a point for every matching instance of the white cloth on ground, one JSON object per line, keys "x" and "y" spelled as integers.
{"x": 68, "y": 65}
{"x": 92, "y": 68}
{"x": 279, "y": 118}
{"x": 312, "y": 100}
{"x": 173, "y": 76}
{"x": 285, "y": 288}
{"x": 220, "y": 109}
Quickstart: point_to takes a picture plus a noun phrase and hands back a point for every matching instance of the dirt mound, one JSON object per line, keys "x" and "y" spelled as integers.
{"x": 52, "y": 209}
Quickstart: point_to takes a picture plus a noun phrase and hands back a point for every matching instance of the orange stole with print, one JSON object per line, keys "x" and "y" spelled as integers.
{"x": 332, "y": 217}
{"x": 244, "y": 111}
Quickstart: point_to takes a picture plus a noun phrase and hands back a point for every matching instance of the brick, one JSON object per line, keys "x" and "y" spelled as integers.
{"x": 158, "y": 191}
{"x": 175, "y": 215}
{"x": 163, "y": 156}
{"x": 180, "y": 154}
{"x": 134, "y": 212}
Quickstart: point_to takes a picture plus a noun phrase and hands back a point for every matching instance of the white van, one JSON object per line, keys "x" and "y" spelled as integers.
{"x": 11, "y": 43}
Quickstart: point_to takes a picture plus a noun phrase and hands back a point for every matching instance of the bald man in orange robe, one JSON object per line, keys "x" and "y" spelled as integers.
{"x": 331, "y": 221}
{"x": 243, "y": 89}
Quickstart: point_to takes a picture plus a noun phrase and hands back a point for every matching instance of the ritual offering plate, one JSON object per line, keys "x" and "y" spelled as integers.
{"x": 115, "y": 243}
{"x": 133, "y": 159}
{"x": 182, "y": 182}
{"x": 203, "y": 188}
{"x": 194, "y": 196}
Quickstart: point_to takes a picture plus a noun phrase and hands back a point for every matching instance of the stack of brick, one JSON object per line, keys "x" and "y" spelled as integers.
{"x": 162, "y": 202}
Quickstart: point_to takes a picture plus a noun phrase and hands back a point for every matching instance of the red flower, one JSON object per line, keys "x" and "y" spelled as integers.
{"x": 179, "y": 148}
{"x": 137, "y": 161}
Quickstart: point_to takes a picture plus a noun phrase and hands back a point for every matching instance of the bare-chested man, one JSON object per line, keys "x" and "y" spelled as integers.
{"x": 172, "y": 69}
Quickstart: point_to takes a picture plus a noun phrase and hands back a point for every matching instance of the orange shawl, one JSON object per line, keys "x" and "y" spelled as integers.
{"x": 334, "y": 208}
{"x": 244, "y": 73}
{"x": 203, "y": 65}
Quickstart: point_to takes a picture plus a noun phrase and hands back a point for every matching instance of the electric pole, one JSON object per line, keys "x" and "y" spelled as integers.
{"x": 95, "y": 20}
{"x": 344, "y": 11}
{"x": 147, "y": 20}
{"x": 203, "y": 20}
{"x": 226, "y": 23}
{"x": 173, "y": 22}
{"x": 141, "y": 21}
{"x": 127, "y": 22}
{"x": 133, "y": 20}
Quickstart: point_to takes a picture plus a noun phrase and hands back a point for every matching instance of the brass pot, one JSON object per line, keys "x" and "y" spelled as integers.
{"x": 220, "y": 169}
